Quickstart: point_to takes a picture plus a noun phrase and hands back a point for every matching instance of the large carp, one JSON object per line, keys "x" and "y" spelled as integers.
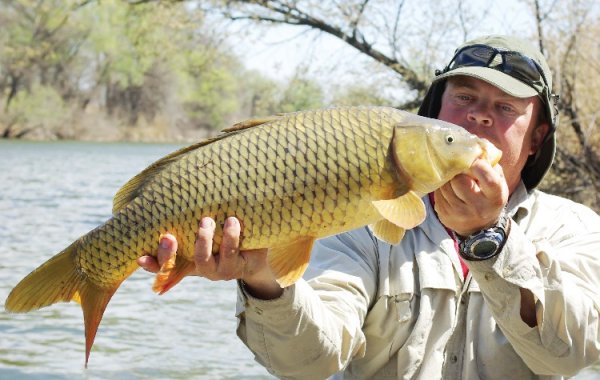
{"x": 290, "y": 179}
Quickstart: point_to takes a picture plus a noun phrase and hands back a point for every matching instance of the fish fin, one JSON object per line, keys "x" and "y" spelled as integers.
{"x": 171, "y": 273}
{"x": 250, "y": 123}
{"x": 94, "y": 300}
{"x": 58, "y": 280}
{"x": 388, "y": 231}
{"x": 406, "y": 211}
{"x": 288, "y": 262}
{"x": 133, "y": 187}
{"x": 54, "y": 281}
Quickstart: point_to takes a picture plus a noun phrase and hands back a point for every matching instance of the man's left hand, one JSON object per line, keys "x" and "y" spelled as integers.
{"x": 473, "y": 201}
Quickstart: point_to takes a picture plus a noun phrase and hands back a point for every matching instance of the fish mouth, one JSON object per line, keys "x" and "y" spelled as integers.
{"x": 489, "y": 152}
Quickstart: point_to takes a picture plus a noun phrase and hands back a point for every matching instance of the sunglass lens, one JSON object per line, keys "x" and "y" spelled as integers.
{"x": 521, "y": 67}
{"x": 473, "y": 56}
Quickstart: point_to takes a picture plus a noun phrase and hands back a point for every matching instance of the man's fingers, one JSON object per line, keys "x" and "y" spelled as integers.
{"x": 148, "y": 263}
{"x": 167, "y": 247}
{"x": 454, "y": 194}
{"x": 491, "y": 181}
{"x": 205, "y": 262}
{"x": 231, "y": 238}
{"x": 230, "y": 262}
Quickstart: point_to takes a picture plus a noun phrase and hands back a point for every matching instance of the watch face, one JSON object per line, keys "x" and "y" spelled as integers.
{"x": 484, "y": 248}
{"x": 486, "y": 243}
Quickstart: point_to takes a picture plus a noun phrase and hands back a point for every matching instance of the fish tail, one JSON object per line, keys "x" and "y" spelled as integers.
{"x": 59, "y": 280}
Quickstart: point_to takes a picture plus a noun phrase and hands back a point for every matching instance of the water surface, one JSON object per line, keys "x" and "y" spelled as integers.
{"x": 50, "y": 194}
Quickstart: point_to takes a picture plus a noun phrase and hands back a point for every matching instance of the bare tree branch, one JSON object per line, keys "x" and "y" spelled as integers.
{"x": 396, "y": 26}
{"x": 539, "y": 21}
{"x": 289, "y": 13}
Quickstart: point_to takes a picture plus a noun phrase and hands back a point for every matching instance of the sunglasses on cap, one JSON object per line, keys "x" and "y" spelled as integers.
{"x": 510, "y": 63}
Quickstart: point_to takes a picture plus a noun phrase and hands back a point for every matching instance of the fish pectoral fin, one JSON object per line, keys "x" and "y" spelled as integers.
{"x": 387, "y": 231}
{"x": 406, "y": 211}
{"x": 288, "y": 262}
{"x": 171, "y": 273}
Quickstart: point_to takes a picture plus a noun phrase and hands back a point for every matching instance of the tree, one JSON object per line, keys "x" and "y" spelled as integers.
{"x": 568, "y": 35}
{"x": 407, "y": 37}
{"x": 301, "y": 94}
{"x": 111, "y": 64}
{"x": 35, "y": 51}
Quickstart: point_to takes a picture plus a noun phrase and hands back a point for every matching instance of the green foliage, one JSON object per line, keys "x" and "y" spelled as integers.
{"x": 209, "y": 96}
{"x": 301, "y": 94}
{"x": 360, "y": 94}
{"x": 259, "y": 94}
{"x": 43, "y": 109}
{"x": 127, "y": 63}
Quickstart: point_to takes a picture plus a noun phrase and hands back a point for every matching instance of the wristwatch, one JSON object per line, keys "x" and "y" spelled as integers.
{"x": 486, "y": 243}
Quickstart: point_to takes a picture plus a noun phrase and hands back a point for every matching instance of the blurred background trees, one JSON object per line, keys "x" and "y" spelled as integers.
{"x": 174, "y": 70}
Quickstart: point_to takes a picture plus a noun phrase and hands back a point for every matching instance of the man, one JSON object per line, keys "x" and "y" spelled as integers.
{"x": 501, "y": 281}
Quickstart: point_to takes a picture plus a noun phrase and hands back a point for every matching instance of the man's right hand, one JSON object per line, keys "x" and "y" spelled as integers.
{"x": 230, "y": 263}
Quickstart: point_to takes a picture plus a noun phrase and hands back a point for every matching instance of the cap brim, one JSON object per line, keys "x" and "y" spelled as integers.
{"x": 506, "y": 83}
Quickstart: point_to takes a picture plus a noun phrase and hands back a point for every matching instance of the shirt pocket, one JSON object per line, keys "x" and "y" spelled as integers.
{"x": 437, "y": 272}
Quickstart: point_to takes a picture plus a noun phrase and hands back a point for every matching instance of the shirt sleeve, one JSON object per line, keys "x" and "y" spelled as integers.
{"x": 314, "y": 328}
{"x": 561, "y": 267}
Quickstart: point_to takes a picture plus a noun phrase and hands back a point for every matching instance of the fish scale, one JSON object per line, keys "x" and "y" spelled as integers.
{"x": 289, "y": 179}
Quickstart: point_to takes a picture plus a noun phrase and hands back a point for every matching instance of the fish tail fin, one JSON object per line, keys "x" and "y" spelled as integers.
{"x": 93, "y": 300}
{"x": 171, "y": 273}
{"x": 59, "y": 280}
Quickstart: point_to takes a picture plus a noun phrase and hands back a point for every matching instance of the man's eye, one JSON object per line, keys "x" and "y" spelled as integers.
{"x": 463, "y": 98}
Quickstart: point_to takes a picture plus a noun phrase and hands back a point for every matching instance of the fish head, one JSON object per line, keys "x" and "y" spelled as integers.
{"x": 430, "y": 152}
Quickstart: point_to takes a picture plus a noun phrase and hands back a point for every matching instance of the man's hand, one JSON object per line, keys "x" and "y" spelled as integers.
{"x": 471, "y": 202}
{"x": 229, "y": 263}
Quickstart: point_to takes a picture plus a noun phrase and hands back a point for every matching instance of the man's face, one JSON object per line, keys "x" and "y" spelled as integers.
{"x": 509, "y": 123}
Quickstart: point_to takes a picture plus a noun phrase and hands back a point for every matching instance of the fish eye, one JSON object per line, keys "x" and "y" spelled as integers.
{"x": 449, "y": 139}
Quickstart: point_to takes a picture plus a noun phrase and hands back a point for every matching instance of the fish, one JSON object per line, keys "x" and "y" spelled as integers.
{"x": 289, "y": 178}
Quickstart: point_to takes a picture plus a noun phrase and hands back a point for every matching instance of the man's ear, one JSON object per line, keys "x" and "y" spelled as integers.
{"x": 537, "y": 137}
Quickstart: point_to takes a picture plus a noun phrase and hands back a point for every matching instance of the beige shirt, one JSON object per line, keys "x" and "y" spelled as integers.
{"x": 366, "y": 309}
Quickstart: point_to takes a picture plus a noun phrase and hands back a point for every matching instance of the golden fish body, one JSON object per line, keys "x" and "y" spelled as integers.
{"x": 289, "y": 179}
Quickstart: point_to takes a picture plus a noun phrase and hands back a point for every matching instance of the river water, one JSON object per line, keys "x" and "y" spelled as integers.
{"x": 52, "y": 193}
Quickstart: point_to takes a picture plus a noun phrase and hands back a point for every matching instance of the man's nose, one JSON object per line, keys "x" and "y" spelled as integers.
{"x": 480, "y": 114}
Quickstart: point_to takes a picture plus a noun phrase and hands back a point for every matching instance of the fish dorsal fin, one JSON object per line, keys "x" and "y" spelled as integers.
{"x": 289, "y": 262}
{"x": 387, "y": 231}
{"x": 406, "y": 211}
{"x": 250, "y": 123}
{"x": 131, "y": 189}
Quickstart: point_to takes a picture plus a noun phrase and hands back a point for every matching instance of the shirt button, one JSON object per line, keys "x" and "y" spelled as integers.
{"x": 488, "y": 276}
{"x": 258, "y": 310}
{"x": 453, "y": 359}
